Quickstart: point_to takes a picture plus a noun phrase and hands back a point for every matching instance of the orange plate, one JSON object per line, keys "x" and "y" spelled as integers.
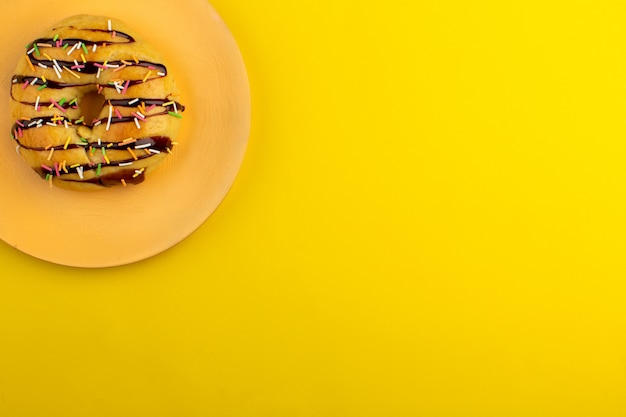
{"x": 124, "y": 225}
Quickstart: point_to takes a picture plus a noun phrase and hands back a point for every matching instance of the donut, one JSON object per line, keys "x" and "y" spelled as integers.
{"x": 94, "y": 106}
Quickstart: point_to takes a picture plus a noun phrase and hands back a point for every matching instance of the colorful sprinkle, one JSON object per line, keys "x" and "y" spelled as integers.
{"x": 175, "y": 114}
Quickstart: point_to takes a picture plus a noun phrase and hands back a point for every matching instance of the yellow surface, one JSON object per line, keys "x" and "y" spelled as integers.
{"x": 430, "y": 221}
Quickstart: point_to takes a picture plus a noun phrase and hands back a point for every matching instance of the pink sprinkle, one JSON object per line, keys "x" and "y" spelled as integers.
{"x": 20, "y": 132}
{"x": 119, "y": 115}
{"x": 100, "y": 65}
{"x": 25, "y": 85}
{"x": 20, "y": 124}
{"x": 56, "y": 168}
{"x": 114, "y": 33}
{"x": 150, "y": 108}
{"x": 150, "y": 67}
{"x": 46, "y": 167}
{"x": 59, "y": 43}
{"x": 95, "y": 121}
{"x": 139, "y": 116}
{"x": 78, "y": 67}
{"x": 57, "y": 105}
{"x": 125, "y": 87}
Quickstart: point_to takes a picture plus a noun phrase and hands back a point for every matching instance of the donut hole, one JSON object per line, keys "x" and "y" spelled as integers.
{"x": 90, "y": 106}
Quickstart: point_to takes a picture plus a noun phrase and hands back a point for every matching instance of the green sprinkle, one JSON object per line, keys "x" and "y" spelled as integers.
{"x": 104, "y": 151}
{"x": 28, "y": 46}
{"x": 36, "y": 49}
{"x": 56, "y": 37}
{"x": 99, "y": 170}
{"x": 42, "y": 87}
{"x": 65, "y": 46}
{"x": 84, "y": 140}
{"x": 85, "y": 49}
{"x": 171, "y": 113}
{"x": 62, "y": 101}
{"x": 48, "y": 177}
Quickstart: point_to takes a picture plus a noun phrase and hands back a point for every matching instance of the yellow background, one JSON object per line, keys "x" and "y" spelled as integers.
{"x": 430, "y": 221}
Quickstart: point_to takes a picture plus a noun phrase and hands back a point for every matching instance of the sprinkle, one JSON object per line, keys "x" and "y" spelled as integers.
{"x": 99, "y": 170}
{"x": 110, "y": 115}
{"x": 106, "y": 158}
{"x": 150, "y": 108}
{"x": 62, "y": 101}
{"x": 124, "y": 164}
{"x": 175, "y": 114}
{"x": 67, "y": 143}
{"x": 126, "y": 87}
{"x": 64, "y": 167}
{"x": 43, "y": 77}
{"x": 97, "y": 123}
{"x": 139, "y": 115}
{"x": 65, "y": 46}
{"x": 100, "y": 89}
{"x": 74, "y": 166}
{"x": 169, "y": 103}
{"x": 137, "y": 123}
{"x": 145, "y": 145}
{"x": 119, "y": 115}
{"x": 50, "y": 154}
{"x": 72, "y": 72}
{"x": 147, "y": 76}
{"x": 123, "y": 181}
{"x": 168, "y": 150}
{"x": 79, "y": 170}
{"x": 47, "y": 57}
{"x": 20, "y": 132}
{"x": 46, "y": 167}
{"x": 57, "y": 72}
{"x": 154, "y": 151}
{"x": 34, "y": 81}
{"x": 72, "y": 49}
{"x": 37, "y": 103}
{"x": 51, "y": 124}
{"x": 135, "y": 59}
{"x": 56, "y": 37}
{"x": 17, "y": 149}
{"x": 42, "y": 87}
{"x": 98, "y": 76}
{"x": 26, "y": 83}
{"x": 130, "y": 103}
{"x": 30, "y": 64}
{"x": 56, "y": 169}
{"x": 42, "y": 65}
{"x": 20, "y": 123}
{"x": 161, "y": 74}
{"x": 30, "y": 51}
{"x": 54, "y": 103}
{"x": 110, "y": 25}
{"x": 83, "y": 58}
{"x": 132, "y": 154}
{"x": 101, "y": 66}
{"x": 119, "y": 68}
{"x": 126, "y": 62}
{"x": 95, "y": 47}
{"x": 36, "y": 48}
{"x": 129, "y": 140}
{"x": 175, "y": 108}
{"x": 33, "y": 123}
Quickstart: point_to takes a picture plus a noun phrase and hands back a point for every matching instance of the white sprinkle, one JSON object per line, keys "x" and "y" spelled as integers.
{"x": 110, "y": 30}
{"x": 130, "y": 103}
{"x": 66, "y": 126}
{"x": 56, "y": 64}
{"x": 14, "y": 80}
{"x": 125, "y": 164}
{"x": 112, "y": 66}
{"x": 98, "y": 123}
{"x": 58, "y": 73}
{"x": 161, "y": 74}
{"x": 118, "y": 87}
{"x": 137, "y": 123}
{"x": 79, "y": 170}
{"x": 33, "y": 123}
{"x": 39, "y": 126}
{"x": 73, "y": 49}
{"x": 99, "y": 141}
{"x": 37, "y": 103}
{"x": 110, "y": 115}
{"x": 154, "y": 151}
{"x": 141, "y": 116}
{"x": 145, "y": 145}
{"x": 51, "y": 124}
{"x": 175, "y": 108}
{"x": 98, "y": 75}
{"x": 33, "y": 82}
{"x": 95, "y": 46}
{"x": 42, "y": 65}
{"x": 31, "y": 51}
